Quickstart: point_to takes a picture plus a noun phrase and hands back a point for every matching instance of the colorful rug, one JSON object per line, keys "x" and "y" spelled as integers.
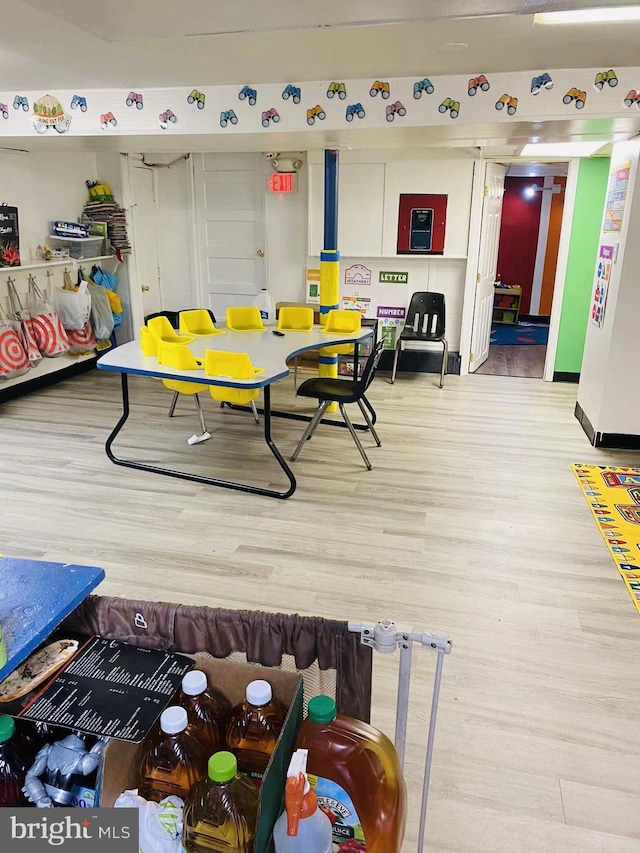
{"x": 614, "y": 497}
{"x": 520, "y": 335}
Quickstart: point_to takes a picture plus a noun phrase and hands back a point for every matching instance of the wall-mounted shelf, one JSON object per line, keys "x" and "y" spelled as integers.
{"x": 402, "y": 258}
{"x": 37, "y": 265}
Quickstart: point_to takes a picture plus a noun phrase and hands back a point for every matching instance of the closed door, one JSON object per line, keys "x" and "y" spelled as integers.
{"x": 487, "y": 264}
{"x": 145, "y": 240}
{"x": 230, "y": 221}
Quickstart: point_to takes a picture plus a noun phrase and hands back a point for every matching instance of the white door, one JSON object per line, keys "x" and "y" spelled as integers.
{"x": 230, "y": 190}
{"x": 145, "y": 237}
{"x": 487, "y": 263}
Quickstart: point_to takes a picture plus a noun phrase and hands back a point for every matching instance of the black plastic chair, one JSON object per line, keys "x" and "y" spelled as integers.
{"x": 342, "y": 392}
{"x": 425, "y": 323}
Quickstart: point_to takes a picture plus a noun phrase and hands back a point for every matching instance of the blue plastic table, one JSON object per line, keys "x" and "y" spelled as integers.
{"x": 35, "y": 597}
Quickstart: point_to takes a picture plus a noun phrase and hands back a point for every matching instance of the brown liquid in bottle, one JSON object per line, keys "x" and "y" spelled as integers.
{"x": 208, "y": 711}
{"x": 363, "y": 761}
{"x": 254, "y": 730}
{"x": 173, "y": 760}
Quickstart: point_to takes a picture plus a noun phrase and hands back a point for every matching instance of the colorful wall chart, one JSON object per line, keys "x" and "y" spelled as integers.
{"x": 616, "y": 196}
{"x": 603, "y": 277}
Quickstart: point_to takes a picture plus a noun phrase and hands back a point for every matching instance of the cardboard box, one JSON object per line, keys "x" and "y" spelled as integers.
{"x": 119, "y": 770}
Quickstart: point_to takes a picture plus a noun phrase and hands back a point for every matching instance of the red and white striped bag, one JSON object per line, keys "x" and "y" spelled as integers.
{"x": 46, "y": 326}
{"x": 21, "y": 322}
{"x": 13, "y": 358}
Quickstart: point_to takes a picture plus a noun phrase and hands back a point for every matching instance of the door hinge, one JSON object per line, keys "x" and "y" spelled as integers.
{"x": 485, "y": 191}
{"x": 478, "y": 277}
{"x": 471, "y": 357}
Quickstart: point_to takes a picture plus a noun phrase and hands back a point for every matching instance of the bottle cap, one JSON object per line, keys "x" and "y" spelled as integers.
{"x": 222, "y": 767}
{"x": 173, "y": 720}
{"x": 322, "y": 709}
{"x": 259, "y": 692}
{"x": 194, "y": 683}
{"x": 7, "y": 728}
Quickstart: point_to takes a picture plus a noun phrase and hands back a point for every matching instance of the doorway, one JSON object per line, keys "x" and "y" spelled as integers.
{"x": 517, "y": 270}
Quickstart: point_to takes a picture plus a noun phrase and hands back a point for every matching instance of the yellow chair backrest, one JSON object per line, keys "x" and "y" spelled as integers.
{"x": 162, "y": 330}
{"x": 231, "y": 365}
{"x": 343, "y": 322}
{"x": 197, "y": 322}
{"x": 244, "y": 318}
{"x": 148, "y": 342}
{"x": 294, "y": 318}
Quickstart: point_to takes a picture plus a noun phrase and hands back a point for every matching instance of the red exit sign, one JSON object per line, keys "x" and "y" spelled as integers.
{"x": 281, "y": 182}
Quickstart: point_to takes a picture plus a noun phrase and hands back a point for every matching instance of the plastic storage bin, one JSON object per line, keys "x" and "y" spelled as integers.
{"x": 79, "y": 248}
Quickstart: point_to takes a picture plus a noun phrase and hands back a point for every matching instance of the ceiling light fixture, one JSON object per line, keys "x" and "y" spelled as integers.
{"x": 561, "y": 149}
{"x": 529, "y": 192}
{"x": 606, "y": 14}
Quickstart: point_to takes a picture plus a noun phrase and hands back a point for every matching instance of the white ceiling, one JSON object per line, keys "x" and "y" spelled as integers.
{"x": 131, "y": 43}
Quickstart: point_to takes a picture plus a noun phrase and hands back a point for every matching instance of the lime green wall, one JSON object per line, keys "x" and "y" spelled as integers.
{"x": 583, "y": 250}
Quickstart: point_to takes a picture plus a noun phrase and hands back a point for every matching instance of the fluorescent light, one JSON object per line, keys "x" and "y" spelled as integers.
{"x": 561, "y": 149}
{"x": 610, "y": 14}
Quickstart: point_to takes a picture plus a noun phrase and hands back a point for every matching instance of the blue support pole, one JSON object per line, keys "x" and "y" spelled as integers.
{"x": 329, "y": 261}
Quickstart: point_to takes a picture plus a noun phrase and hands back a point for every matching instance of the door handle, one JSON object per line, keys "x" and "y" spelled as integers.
{"x": 145, "y": 288}
{"x": 260, "y": 253}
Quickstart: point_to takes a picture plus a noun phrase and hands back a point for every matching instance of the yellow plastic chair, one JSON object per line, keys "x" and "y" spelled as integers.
{"x": 162, "y": 330}
{"x": 198, "y": 322}
{"x": 180, "y": 357}
{"x": 232, "y": 365}
{"x": 148, "y": 343}
{"x": 244, "y": 318}
{"x": 341, "y": 322}
{"x": 294, "y": 318}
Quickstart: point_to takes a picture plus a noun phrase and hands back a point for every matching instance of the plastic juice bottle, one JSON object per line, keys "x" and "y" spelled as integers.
{"x": 13, "y": 766}
{"x": 302, "y": 827}
{"x": 207, "y": 709}
{"x": 221, "y": 811}
{"x": 173, "y": 760}
{"x": 356, "y": 775}
{"x": 265, "y": 303}
{"x": 254, "y": 729}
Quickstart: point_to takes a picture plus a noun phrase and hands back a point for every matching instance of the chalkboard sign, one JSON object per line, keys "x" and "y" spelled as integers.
{"x": 9, "y": 237}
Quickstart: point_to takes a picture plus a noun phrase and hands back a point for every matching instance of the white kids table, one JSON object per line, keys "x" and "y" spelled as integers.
{"x": 267, "y": 350}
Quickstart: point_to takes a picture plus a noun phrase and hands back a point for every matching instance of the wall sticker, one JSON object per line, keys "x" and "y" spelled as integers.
{"x": 603, "y": 77}
{"x": 395, "y": 109}
{"x": 509, "y": 102}
{"x": 315, "y": 113}
{"x": 577, "y": 95}
{"x": 4, "y": 110}
{"x": 167, "y": 118}
{"x": 338, "y": 89}
{"x": 357, "y": 274}
{"x": 453, "y": 107}
{"x": 423, "y": 86}
{"x": 107, "y": 120}
{"x": 633, "y": 97}
{"x": 48, "y": 112}
{"x": 228, "y": 116}
{"x": 271, "y": 115}
{"x": 354, "y": 110}
{"x": 381, "y": 87}
{"x": 21, "y": 101}
{"x": 196, "y": 98}
{"x": 542, "y": 81}
{"x": 250, "y": 94}
{"x": 292, "y": 92}
{"x": 476, "y": 83}
{"x": 79, "y": 102}
{"x": 135, "y": 98}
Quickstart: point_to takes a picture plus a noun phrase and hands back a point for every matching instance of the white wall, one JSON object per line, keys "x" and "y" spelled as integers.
{"x": 370, "y": 184}
{"x": 609, "y": 392}
{"x": 286, "y": 226}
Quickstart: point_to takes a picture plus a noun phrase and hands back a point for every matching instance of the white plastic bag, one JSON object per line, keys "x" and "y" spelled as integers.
{"x": 73, "y": 306}
{"x": 101, "y": 315}
{"x": 160, "y": 823}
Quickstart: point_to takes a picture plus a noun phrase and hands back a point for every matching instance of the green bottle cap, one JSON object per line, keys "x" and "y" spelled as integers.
{"x": 322, "y": 709}
{"x": 7, "y": 728}
{"x": 222, "y": 767}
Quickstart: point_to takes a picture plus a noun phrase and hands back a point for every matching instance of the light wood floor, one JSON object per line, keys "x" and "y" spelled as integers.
{"x": 515, "y": 361}
{"x": 470, "y": 524}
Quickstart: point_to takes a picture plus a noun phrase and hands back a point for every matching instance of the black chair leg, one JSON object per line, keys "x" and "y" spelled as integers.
{"x": 311, "y": 428}
{"x": 396, "y": 356}
{"x": 445, "y": 359}
{"x": 174, "y": 401}
{"x": 369, "y": 424}
{"x": 354, "y": 436}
